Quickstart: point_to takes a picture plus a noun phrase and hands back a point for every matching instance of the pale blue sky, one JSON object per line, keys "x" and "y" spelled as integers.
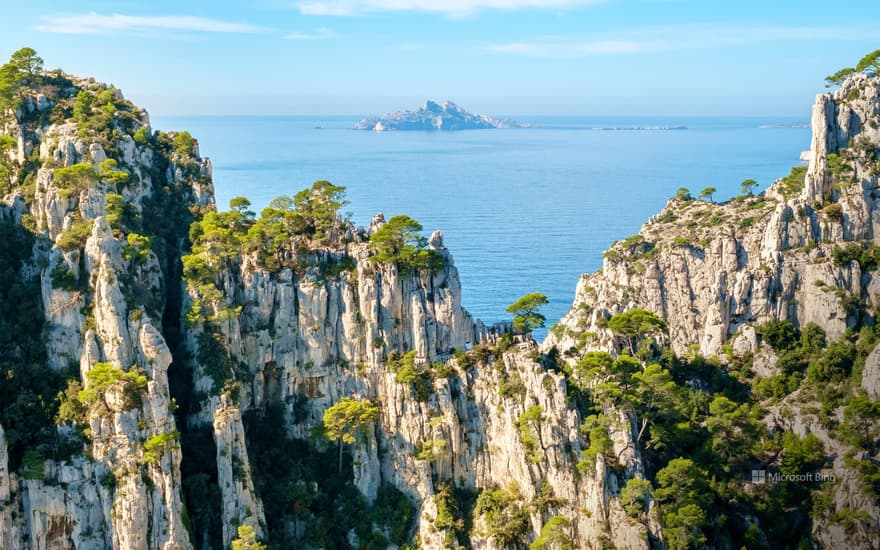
{"x": 505, "y": 57}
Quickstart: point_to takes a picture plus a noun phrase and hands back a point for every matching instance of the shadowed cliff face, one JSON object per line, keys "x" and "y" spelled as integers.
{"x": 197, "y": 366}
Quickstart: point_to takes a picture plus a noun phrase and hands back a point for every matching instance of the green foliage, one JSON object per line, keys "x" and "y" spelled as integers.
{"x": 635, "y": 496}
{"x": 683, "y": 494}
{"x": 870, "y": 63}
{"x": 861, "y": 423}
{"x": 103, "y": 376}
{"x": 450, "y": 516}
{"x": 32, "y": 466}
{"x": 29, "y": 387}
{"x": 142, "y": 136}
{"x": 431, "y": 450}
{"x": 793, "y": 183}
{"x": 158, "y": 445}
{"x": 419, "y": 377}
{"x": 63, "y": 277}
{"x": 247, "y": 539}
{"x": 838, "y": 167}
{"x": 834, "y": 365}
{"x": 801, "y": 455}
{"x": 595, "y": 427}
{"x": 683, "y": 194}
{"x": 780, "y": 335}
{"x": 528, "y": 424}
{"x": 837, "y": 78}
{"x": 400, "y": 242}
{"x": 866, "y": 254}
{"x": 506, "y": 520}
{"x": 526, "y": 314}
{"x": 70, "y": 409}
{"x": 74, "y": 179}
{"x": 21, "y": 70}
{"x": 75, "y": 236}
{"x": 554, "y": 535}
{"x": 108, "y": 173}
{"x": 747, "y": 186}
{"x": 138, "y": 248}
{"x": 344, "y": 420}
{"x": 682, "y": 241}
{"x": 320, "y": 206}
{"x": 635, "y": 325}
{"x": 184, "y": 144}
{"x": 708, "y": 193}
{"x": 300, "y": 482}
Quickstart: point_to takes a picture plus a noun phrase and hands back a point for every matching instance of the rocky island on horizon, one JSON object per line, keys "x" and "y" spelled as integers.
{"x": 435, "y": 117}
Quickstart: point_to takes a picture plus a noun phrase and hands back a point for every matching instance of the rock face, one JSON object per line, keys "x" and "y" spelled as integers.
{"x": 102, "y": 307}
{"x": 797, "y": 253}
{"x": 756, "y": 258}
{"x": 434, "y": 116}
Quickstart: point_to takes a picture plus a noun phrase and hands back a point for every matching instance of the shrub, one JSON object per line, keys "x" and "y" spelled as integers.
{"x": 635, "y": 496}
{"x": 554, "y": 535}
{"x": 64, "y": 278}
{"x": 158, "y": 445}
{"x": 74, "y": 179}
{"x": 505, "y": 518}
{"x": 867, "y": 255}
{"x": 76, "y": 235}
{"x": 780, "y": 335}
{"x": 138, "y": 248}
{"x": 793, "y": 183}
{"x": 400, "y": 242}
{"x": 103, "y": 376}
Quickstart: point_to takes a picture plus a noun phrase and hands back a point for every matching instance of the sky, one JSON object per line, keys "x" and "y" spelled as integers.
{"x": 502, "y": 57}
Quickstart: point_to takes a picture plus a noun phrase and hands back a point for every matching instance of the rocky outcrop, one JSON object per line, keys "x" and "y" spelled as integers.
{"x": 102, "y": 306}
{"x": 434, "y": 116}
{"x": 712, "y": 269}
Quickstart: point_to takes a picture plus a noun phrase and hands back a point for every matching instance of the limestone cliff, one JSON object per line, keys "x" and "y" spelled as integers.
{"x": 804, "y": 251}
{"x": 186, "y": 359}
{"x": 104, "y": 292}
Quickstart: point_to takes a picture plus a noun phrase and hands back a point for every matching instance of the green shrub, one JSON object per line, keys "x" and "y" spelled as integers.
{"x": 867, "y": 255}
{"x": 505, "y": 518}
{"x": 793, "y": 183}
{"x": 102, "y": 376}
{"x": 157, "y": 445}
{"x": 74, "y": 179}
{"x": 63, "y": 277}
{"x": 75, "y": 236}
{"x": 780, "y": 335}
{"x": 32, "y": 466}
{"x": 400, "y": 242}
{"x": 138, "y": 248}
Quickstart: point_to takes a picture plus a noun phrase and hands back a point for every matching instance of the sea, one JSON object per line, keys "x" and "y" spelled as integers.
{"x": 522, "y": 210}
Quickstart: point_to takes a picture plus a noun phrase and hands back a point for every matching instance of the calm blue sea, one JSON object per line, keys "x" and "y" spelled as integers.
{"x": 524, "y": 210}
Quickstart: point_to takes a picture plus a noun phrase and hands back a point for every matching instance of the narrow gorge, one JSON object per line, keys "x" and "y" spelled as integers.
{"x": 179, "y": 377}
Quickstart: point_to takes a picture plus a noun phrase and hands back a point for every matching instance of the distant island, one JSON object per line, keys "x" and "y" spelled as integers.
{"x": 435, "y": 116}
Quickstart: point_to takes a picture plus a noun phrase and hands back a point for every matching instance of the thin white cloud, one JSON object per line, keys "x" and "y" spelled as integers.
{"x": 444, "y": 7}
{"x": 680, "y": 37}
{"x": 94, "y": 23}
{"x": 322, "y": 33}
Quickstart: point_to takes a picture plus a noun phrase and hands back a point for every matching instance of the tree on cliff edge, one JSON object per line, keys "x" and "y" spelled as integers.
{"x": 346, "y": 419}
{"x": 526, "y": 316}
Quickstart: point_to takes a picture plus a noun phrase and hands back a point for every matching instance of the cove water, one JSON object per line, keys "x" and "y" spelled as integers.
{"x": 521, "y": 210}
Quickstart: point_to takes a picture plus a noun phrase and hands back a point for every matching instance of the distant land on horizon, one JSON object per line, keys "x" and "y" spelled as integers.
{"x": 435, "y": 117}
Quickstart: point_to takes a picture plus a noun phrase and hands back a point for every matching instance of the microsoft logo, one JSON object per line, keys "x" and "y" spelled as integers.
{"x": 759, "y": 476}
